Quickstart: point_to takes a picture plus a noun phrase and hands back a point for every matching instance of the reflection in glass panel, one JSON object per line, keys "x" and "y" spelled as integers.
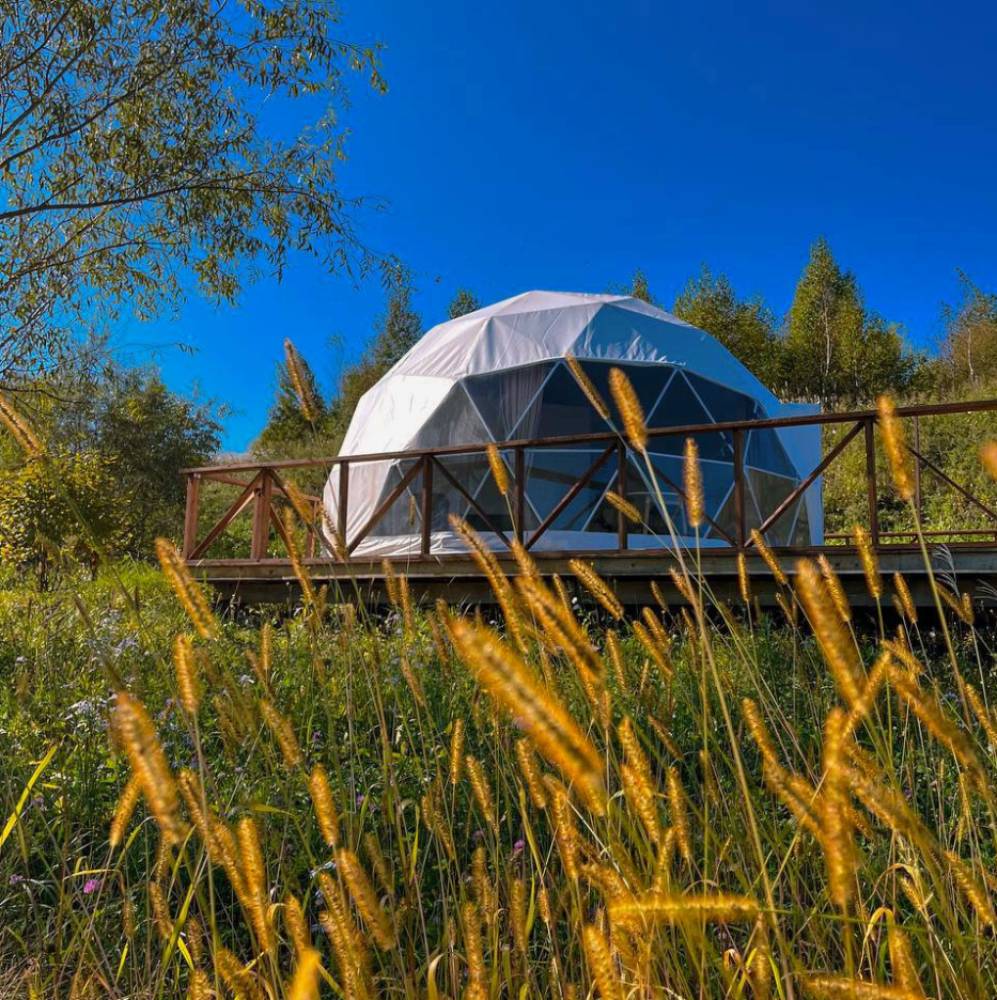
{"x": 724, "y": 404}
{"x": 502, "y": 398}
{"x": 765, "y": 451}
{"x": 564, "y": 409}
{"x": 551, "y": 473}
{"x": 453, "y": 422}
{"x": 678, "y": 407}
{"x": 770, "y": 491}
{"x": 403, "y": 517}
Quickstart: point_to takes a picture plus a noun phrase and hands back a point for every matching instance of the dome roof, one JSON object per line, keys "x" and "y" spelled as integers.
{"x": 540, "y": 326}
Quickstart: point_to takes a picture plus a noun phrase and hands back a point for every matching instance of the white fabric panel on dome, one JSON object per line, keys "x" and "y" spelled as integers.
{"x": 387, "y": 417}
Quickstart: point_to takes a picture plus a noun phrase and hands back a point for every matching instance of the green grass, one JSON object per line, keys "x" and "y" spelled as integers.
{"x": 342, "y": 683}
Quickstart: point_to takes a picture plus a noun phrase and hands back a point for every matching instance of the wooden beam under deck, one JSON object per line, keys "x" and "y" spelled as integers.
{"x": 457, "y": 580}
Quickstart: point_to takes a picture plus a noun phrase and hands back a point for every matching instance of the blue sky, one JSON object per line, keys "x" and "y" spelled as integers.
{"x": 560, "y": 146}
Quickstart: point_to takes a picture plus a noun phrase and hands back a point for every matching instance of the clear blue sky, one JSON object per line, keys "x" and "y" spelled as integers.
{"x": 560, "y": 146}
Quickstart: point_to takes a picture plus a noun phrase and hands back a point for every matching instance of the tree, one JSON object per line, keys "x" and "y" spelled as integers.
{"x": 969, "y": 349}
{"x": 132, "y": 155}
{"x": 640, "y": 289}
{"x": 396, "y": 331}
{"x": 745, "y": 327}
{"x": 288, "y": 432}
{"x": 464, "y": 302}
{"x": 836, "y": 352}
{"x": 61, "y": 506}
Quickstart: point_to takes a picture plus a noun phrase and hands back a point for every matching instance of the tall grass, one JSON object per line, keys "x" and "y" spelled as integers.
{"x": 696, "y": 802}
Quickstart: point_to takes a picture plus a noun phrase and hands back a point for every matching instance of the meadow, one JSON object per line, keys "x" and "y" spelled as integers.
{"x": 555, "y": 796}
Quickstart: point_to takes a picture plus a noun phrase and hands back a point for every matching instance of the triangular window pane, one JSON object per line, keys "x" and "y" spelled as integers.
{"x": 502, "y": 398}
{"x": 563, "y": 409}
{"x": 724, "y": 404}
{"x": 647, "y": 380}
{"x": 678, "y": 407}
{"x": 550, "y": 474}
{"x": 453, "y": 422}
{"x": 765, "y": 451}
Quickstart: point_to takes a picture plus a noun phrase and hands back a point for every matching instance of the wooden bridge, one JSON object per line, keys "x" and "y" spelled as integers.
{"x": 251, "y": 564}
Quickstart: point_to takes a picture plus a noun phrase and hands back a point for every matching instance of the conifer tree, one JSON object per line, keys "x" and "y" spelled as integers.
{"x": 464, "y": 302}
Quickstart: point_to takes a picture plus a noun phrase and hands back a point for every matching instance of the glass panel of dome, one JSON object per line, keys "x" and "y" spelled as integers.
{"x": 453, "y": 422}
{"x": 727, "y": 520}
{"x": 647, "y": 380}
{"x": 470, "y": 471}
{"x": 499, "y": 508}
{"x": 717, "y": 480}
{"x": 551, "y": 473}
{"x": 765, "y": 451}
{"x": 770, "y": 491}
{"x": 563, "y": 409}
{"x": 724, "y": 404}
{"x": 403, "y": 517}
{"x": 502, "y": 398}
{"x": 680, "y": 406}
{"x": 801, "y": 531}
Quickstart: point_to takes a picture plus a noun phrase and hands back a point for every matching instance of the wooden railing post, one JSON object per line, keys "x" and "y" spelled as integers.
{"x": 870, "y": 475}
{"x": 261, "y": 516}
{"x": 342, "y": 512}
{"x": 622, "y": 529}
{"x": 740, "y": 525}
{"x": 519, "y": 510}
{"x": 190, "y": 513}
{"x": 427, "y": 504}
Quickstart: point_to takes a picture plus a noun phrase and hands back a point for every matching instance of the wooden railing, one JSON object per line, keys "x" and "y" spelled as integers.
{"x": 264, "y": 491}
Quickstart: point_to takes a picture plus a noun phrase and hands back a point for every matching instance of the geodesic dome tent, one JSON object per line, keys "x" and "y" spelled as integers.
{"x": 499, "y": 374}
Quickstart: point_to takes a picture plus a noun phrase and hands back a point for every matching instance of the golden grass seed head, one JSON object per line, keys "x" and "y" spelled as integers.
{"x": 554, "y": 733}
{"x": 185, "y": 664}
{"x": 597, "y": 587}
{"x": 904, "y": 598}
{"x": 623, "y": 506}
{"x": 743, "y": 580}
{"x": 481, "y": 789}
{"x": 240, "y": 980}
{"x": 499, "y": 472}
{"x": 988, "y": 456}
{"x": 837, "y": 837}
{"x": 531, "y": 773}
{"x": 693, "y": 482}
{"x": 254, "y": 879}
{"x": 300, "y": 382}
{"x": 640, "y": 796}
{"x": 974, "y": 891}
{"x": 159, "y": 908}
{"x": 188, "y": 592}
{"x": 850, "y": 988}
{"x": 305, "y": 983}
{"x": 565, "y": 830}
{"x": 474, "y": 955}
{"x": 148, "y": 762}
{"x": 517, "y": 915}
{"x": 631, "y": 413}
{"x": 199, "y": 987}
{"x": 769, "y": 557}
{"x": 869, "y": 561}
{"x": 834, "y": 588}
{"x": 616, "y": 659}
{"x": 896, "y": 448}
{"x": 365, "y": 899}
{"x": 378, "y": 862}
{"x": 642, "y": 911}
{"x": 296, "y": 925}
{"x": 591, "y": 393}
{"x": 20, "y": 429}
{"x": 836, "y": 642}
{"x": 283, "y": 733}
{"x": 124, "y": 810}
{"x": 679, "y": 813}
{"x": 456, "y": 751}
{"x": 324, "y": 805}
{"x": 600, "y": 962}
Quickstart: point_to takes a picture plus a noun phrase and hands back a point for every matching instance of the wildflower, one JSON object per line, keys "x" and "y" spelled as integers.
{"x": 91, "y": 886}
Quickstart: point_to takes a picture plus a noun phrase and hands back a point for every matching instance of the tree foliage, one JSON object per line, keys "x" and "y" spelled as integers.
{"x": 969, "y": 350}
{"x": 837, "y": 352}
{"x": 133, "y": 152}
{"x": 745, "y": 327}
{"x": 62, "y": 506}
{"x": 288, "y": 433}
{"x": 463, "y": 302}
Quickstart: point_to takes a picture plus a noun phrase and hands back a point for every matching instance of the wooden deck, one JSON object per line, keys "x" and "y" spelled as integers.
{"x": 965, "y": 559}
{"x": 457, "y": 580}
